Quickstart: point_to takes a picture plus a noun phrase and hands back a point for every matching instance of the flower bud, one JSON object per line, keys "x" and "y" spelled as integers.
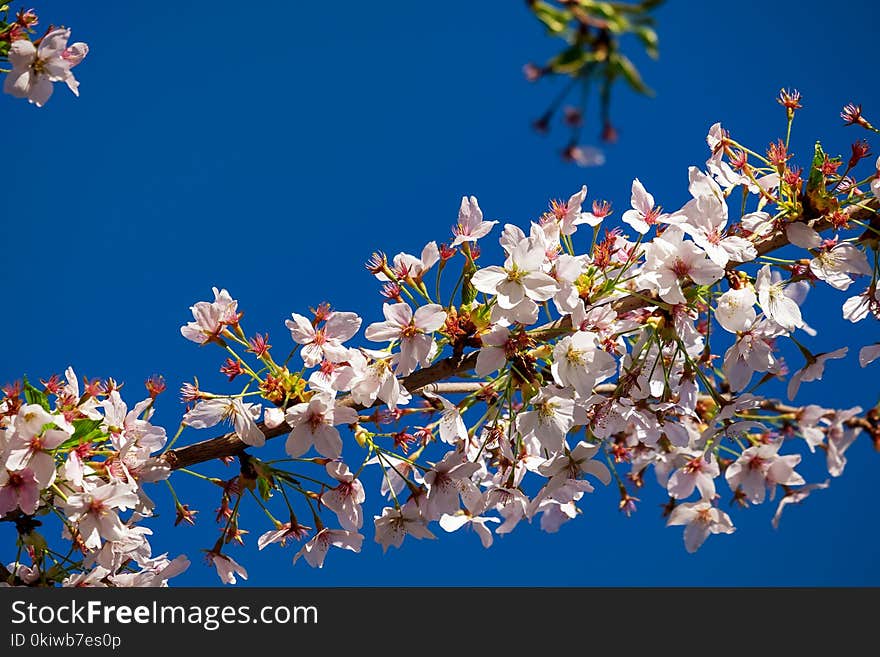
{"x": 362, "y": 436}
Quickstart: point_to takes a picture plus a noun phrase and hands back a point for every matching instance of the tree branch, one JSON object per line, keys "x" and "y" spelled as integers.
{"x": 427, "y": 379}
{"x": 229, "y": 444}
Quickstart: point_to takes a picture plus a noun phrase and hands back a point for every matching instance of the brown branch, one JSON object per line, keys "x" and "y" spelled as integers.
{"x": 229, "y": 444}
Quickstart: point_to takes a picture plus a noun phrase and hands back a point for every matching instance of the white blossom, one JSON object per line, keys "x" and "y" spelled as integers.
{"x": 700, "y": 520}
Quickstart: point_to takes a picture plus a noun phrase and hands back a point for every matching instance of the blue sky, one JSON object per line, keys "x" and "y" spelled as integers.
{"x": 270, "y": 152}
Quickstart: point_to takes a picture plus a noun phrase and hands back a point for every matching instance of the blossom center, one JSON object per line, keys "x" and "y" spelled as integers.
{"x": 315, "y": 420}
{"x": 546, "y": 409}
{"x": 776, "y": 292}
{"x": 95, "y": 505}
{"x": 828, "y": 259}
{"x": 345, "y": 489}
{"x": 515, "y": 274}
{"x": 327, "y": 368}
{"x": 694, "y": 465}
{"x": 680, "y": 268}
{"x": 380, "y": 368}
{"x": 409, "y": 331}
{"x": 574, "y": 356}
{"x": 653, "y": 215}
{"x": 559, "y": 209}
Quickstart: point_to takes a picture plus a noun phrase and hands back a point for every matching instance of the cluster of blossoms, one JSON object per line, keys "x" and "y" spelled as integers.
{"x": 81, "y": 461}
{"x": 471, "y": 412}
{"x": 37, "y": 63}
{"x": 591, "y": 54}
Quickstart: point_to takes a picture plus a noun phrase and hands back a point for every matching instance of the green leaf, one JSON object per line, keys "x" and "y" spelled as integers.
{"x": 481, "y": 315}
{"x": 264, "y": 488}
{"x": 615, "y": 21}
{"x": 816, "y": 179}
{"x": 554, "y": 18}
{"x": 603, "y": 9}
{"x": 84, "y": 431}
{"x": 571, "y": 60}
{"x": 818, "y": 197}
{"x": 33, "y": 395}
{"x": 622, "y": 65}
{"x": 649, "y": 39}
{"x": 468, "y": 291}
{"x": 84, "y": 427}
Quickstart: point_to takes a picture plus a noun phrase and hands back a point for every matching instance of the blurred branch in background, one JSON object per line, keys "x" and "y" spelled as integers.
{"x": 591, "y": 58}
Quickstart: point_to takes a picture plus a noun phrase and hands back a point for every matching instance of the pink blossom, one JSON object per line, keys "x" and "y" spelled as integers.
{"x": 314, "y": 423}
{"x": 671, "y": 261}
{"x": 325, "y": 342}
{"x": 578, "y": 362}
{"x": 479, "y": 524}
{"x": 449, "y": 480}
{"x": 281, "y": 533}
{"x": 795, "y": 496}
{"x": 701, "y": 520}
{"x": 34, "y": 69}
{"x": 315, "y": 551}
{"x": 705, "y": 219}
{"x": 396, "y": 523}
{"x": 777, "y": 305}
{"x": 644, "y": 213}
{"x": 211, "y": 317}
{"x": 760, "y": 468}
{"x": 520, "y": 282}
{"x": 471, "y": 226}
{"x": 19, "y": 490}
{"x": 813, "y": 370}
{"x": 555, "y": 413}
{"x": 492, "y": 355}
{"x": 96, "y": 512}
{"x": 30, "y": 445}
{"x": 243, "y": 415}
{"x": 698, "y": 472}
{"x": 226, "y": 567}
{"x": 345, "y": 500}
{"x": 412, "y": 330}
{"x": 377, "y": 380}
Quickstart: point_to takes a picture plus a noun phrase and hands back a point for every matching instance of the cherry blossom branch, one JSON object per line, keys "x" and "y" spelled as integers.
{"x": 230, "y": 445}
{"x": 429, "y": 378}
{"x": 425, "y": 380}
{"x": 591, "y": 61}
{"x": 773, "y": 242}
{"x": 37, "y": 61}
